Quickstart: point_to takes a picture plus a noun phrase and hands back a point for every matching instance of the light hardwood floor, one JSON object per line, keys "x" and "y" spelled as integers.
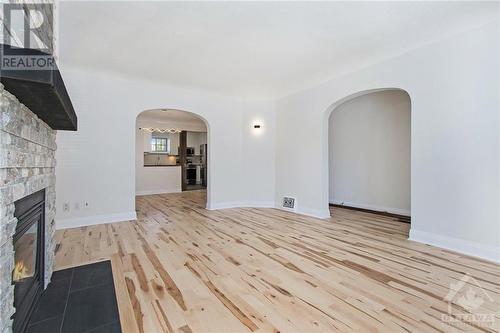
{"x": 181, "y": 268}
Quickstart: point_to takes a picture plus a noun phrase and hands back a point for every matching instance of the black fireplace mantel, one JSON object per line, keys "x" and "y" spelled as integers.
{"x": 42, "y": 91}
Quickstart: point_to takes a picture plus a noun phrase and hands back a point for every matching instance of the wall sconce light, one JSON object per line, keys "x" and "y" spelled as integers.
{"x": 256, "y": 127}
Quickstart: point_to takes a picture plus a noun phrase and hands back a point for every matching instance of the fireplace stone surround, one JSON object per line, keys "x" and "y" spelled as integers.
{"x": 27, "y": 165}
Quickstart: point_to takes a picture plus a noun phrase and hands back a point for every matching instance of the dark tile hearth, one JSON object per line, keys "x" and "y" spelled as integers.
{"x": 91, "y": 276}
{"x": 53, "y": 300}
{"x": 48, "y": 325}
{"x": 78, "y": 300}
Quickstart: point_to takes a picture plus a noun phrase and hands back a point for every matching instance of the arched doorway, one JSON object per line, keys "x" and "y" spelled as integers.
{"x": 369, "y": 152}
{"x": 172, "y": 153}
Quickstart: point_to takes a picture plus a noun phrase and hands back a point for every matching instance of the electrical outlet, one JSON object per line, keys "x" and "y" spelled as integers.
{"x": 66, "y": 207}
{"x": 86, "y": 205}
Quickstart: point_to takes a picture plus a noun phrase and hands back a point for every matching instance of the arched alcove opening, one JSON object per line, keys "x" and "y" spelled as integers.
{"x": 172, "y": 154}
{"x": 369, "y": 153}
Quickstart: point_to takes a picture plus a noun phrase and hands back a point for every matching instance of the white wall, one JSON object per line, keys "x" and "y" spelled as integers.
{"x": 97, "y": 163}
{"x": 369, "y": 155}
{"x": 157, "y": 180}
{"x": 454, "y": 87}
{"x": 259, "y": 154}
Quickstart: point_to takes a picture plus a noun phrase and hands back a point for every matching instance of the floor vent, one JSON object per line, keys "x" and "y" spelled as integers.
{"x": 288, "y": 202}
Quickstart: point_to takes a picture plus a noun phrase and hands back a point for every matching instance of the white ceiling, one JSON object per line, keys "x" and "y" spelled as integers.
{"x": 252, "y": 49}
{"x": 169, "y": 116}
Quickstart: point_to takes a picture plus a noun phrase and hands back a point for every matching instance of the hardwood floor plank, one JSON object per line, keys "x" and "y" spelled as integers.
{"x": 128, "y": 324}
{"x": 182, "y": 268}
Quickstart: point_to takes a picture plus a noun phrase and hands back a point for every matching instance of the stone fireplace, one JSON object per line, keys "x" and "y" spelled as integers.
{"x": 27, "y": 170}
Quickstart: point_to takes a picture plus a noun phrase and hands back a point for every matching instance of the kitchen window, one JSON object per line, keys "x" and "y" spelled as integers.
{"x": 160, "y": 145}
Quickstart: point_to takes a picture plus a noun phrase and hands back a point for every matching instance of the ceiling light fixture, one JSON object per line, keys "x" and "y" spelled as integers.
{"x": 160, "y": 130}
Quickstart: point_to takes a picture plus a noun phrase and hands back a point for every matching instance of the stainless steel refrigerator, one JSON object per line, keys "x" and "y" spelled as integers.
{"x": 204, "y": 164}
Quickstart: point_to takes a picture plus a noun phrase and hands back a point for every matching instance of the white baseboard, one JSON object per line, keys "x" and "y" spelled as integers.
{"x": 372, "y": 207}
{"x": 93, "y": 220}
{"x": 152, "y": 192}
{"x": 321, "y": 214}
{"x": 490, "y": 253}
{"x": 318, "y": 213}
{"x": 239, "y": 204}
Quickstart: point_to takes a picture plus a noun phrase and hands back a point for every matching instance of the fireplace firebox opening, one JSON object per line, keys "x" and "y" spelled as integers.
{"x": 29, "y": 248}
